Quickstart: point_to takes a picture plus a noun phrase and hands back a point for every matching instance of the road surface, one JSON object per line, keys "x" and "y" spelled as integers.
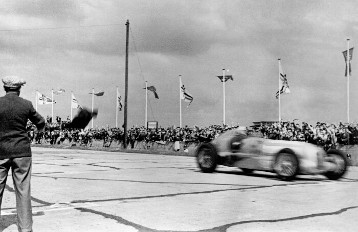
{"x": 84, "y": 190}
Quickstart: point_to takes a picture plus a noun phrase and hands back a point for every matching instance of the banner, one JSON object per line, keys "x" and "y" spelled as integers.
{"x": 345, "y": 59}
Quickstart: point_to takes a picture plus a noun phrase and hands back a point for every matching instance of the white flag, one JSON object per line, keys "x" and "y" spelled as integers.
{"x": 74, "y": 102}
{"x": 42, "y": 99}
{"x": 119, "y": 101}
{"x": 283, "y": 83}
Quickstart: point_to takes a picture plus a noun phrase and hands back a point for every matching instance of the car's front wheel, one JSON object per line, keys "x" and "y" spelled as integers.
{"x": 286, "y": 165}
{"x": 207, "y": 157}
{"x": 340, "y": 161}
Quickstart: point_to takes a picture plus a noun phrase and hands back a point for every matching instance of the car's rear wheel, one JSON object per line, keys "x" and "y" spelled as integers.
{"x": 286, "y": 165}
{"x": 339, "y": 160}
{"x": 207, "y": 157}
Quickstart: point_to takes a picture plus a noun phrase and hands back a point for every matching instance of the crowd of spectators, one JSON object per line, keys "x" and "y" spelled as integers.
{"x": 323, "y": 134}
{"x": 326, "y": 135}
{"x": 57, "y": 132}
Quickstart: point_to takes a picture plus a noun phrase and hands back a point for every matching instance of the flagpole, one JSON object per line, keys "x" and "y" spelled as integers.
{"x": 126, "y": 88}
{"x": 180, "y": 98}
{"x": 71, "y": 103}
{"x": 224, "y": 97}
{"x": 36, "y": 97}
{"x": 146, "y": 104}
{"x": 279, "y": 91}
{"x": 348, "y": 74}
{"x": 117, "y": 106}
{"x": 52, "y": 105}
{"x": 92, "y": 103}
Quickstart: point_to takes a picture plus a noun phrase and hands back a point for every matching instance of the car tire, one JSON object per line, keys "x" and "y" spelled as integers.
{"x": 286, "y": 165}
{"x": 207, "y": 157}
{"x": 338, "y": 158}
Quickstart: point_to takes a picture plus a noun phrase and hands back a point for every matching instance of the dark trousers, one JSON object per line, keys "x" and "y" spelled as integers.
{"x": 21, "y": 176}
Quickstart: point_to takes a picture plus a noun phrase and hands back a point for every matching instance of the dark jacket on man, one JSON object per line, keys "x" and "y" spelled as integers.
{"x": 14, "y": 115}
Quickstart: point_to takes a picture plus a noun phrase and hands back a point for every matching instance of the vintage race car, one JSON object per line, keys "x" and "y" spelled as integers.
{"x": 287, "y": 159}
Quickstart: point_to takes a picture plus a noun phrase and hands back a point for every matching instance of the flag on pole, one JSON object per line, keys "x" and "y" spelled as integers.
{"x": 74, "y": 103}
{"x": 284, "y": 88}
{"x": 98, "y": 94}
{"x": 185, "y": 95}
{"x": 119, "y": 101}
{"x": 59, "y": 91}
{"x": 154, "y": 90}
{"x": 345, "y": 59}
{"x": 42, "y": 99}
{"x": 227, "y": 77}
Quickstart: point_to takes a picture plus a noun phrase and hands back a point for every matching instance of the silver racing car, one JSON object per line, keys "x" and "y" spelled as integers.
{"x": 287, "y": 159}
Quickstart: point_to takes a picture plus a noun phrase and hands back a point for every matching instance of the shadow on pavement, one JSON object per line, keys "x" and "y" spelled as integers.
{"x": 269, "y": 175}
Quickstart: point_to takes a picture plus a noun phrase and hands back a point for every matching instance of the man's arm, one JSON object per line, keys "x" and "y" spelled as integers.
{"x": 36, "y": 118}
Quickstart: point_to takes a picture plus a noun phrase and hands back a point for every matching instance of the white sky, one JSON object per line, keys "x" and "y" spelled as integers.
{"x": 80, "y": 45}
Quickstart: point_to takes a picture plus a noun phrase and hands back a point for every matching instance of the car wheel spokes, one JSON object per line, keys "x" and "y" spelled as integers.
{"x": 338, "y": 159}
{"x": 205, "y": 159}
{"x": 285, "y": 165}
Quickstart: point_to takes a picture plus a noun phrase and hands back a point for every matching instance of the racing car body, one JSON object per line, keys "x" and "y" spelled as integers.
{"x": 287, "y": 158}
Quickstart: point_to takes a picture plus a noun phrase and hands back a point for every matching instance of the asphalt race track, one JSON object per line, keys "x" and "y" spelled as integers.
{"x": 83, "y": 190}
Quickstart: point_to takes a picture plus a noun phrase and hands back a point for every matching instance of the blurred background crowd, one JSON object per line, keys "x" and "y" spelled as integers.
{"x": 323, "y": 134}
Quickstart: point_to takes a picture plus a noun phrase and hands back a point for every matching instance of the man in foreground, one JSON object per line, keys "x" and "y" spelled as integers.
{"x": 15, "y": 150}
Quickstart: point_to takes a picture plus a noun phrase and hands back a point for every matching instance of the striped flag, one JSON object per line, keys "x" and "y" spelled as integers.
{"x": 345, "y": 59}
{"x": 283, "y": 85}
{"x": 43, "y": 100}
{"x": 185, "y": 95}
{"x": 74, "y": 102}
